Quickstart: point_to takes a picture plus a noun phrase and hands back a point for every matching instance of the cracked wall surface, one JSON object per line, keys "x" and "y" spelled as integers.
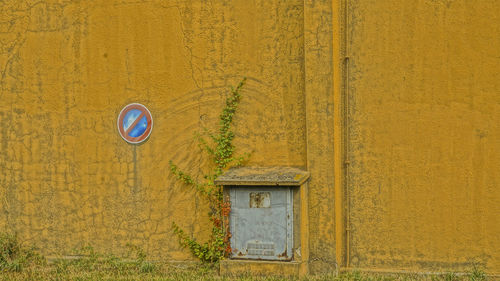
{"x": 420, "y": 127}
{"x": 67, "y": 69}
{"x": 424, "y": 134}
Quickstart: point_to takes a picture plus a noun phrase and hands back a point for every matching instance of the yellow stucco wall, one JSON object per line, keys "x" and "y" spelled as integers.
{"x": 424, "y": 134}
{"x": 67, "y": 69}
{"x": 420, "y": 122}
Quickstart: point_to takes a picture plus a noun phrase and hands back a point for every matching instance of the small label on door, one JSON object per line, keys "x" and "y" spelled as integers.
{"x": 260, "y": 199}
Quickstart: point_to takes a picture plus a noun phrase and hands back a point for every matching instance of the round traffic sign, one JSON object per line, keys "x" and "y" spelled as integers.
{"x": 135, "y": 123}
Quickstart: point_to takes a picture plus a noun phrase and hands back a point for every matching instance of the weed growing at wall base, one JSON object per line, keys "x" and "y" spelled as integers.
{"x": 104, "y": 270}
{"x": 220, "y": 149}
{"x": 88, "y": 264}
{"x": 15, "y": 257}
{"x": 89, "y": 261}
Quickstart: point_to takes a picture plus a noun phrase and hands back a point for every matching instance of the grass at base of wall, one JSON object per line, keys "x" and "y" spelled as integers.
{"x": 116, "y": 269}
{"x": 18, "y": 262}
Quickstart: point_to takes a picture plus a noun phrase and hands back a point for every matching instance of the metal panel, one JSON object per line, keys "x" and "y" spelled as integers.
{"x": 261, "y": 223}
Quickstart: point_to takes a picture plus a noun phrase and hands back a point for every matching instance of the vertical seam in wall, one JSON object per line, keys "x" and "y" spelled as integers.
{"x": 304, "y": 82}
{"x": 337, "y": 133}
{"x": 346, "y": 133}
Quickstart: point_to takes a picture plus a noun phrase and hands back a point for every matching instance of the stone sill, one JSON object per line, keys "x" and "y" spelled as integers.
{"x": 259, "y": 267}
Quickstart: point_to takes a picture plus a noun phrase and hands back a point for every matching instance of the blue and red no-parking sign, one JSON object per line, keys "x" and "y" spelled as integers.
{"x": 135, "y": 123}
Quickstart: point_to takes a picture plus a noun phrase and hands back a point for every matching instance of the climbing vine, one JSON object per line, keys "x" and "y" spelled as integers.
{"x": 220, "y": 149}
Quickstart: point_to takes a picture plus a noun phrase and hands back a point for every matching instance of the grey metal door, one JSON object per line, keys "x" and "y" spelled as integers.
{"x": 261, "y": 223}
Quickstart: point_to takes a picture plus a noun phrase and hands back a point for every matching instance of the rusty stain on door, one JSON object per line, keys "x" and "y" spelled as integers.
{"x": 260, "y": 199}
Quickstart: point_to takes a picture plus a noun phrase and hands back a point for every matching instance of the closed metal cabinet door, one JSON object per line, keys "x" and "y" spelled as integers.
{"x": 261, "y": 223}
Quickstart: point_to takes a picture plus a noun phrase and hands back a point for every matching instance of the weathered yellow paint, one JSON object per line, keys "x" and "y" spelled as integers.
{"x": 421, "y": 91}
{"x": 424, "y": 142}
{"x": 304, "y": 226}
{"x": 318, "y": 90}
{"x": 67, "y": 179}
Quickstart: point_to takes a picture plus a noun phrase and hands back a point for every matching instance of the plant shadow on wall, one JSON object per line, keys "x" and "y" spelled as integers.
{"x": 220, "y": 149}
